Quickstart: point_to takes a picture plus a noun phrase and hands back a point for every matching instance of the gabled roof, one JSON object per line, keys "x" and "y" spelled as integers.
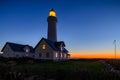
{"x": 53, "y": 45}
{"x": 18, "y": 47}
{"x": 60, "y": 43}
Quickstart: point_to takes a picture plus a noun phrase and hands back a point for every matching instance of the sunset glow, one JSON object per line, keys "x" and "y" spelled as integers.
{"x": 94, "y": 55}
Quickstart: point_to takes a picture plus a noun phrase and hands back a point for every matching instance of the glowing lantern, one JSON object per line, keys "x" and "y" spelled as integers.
{"x": 52, "y": 13}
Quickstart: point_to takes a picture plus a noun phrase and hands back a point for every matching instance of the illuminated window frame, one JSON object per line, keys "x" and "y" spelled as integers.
{"x": 61, "y": 55}
{"x": 64, "y": 55}
{"x": 56, "y": 54}
{"x": 27, "y": 50}
{"x": 43, "y": 46}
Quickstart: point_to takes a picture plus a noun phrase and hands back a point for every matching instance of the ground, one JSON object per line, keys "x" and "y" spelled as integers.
{"x": 48, "y": 70}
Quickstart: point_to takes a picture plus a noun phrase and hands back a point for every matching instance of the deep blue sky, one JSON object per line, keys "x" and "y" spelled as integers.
{"x": 84, "y": 25}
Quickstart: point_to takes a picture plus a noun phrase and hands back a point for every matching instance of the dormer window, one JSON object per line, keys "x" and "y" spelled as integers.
{"x": 43, "y": 46}
{"x": 27, "y": 50}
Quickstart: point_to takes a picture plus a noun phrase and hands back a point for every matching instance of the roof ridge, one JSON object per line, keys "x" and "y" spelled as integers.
{"x": 18, "y": 44}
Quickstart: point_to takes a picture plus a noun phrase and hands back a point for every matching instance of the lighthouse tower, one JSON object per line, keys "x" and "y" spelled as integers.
{"x": 52, "y": 30}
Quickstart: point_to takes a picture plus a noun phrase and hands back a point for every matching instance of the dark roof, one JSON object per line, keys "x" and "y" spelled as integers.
{"x": 53, "y": 45}
{"x": 18, "y": 47}
{"x": 60, "y": 43}
{"x": 52, "y": 10}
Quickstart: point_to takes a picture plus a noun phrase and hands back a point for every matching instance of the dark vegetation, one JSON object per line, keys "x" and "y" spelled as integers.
{"x": 114, "y": 62}
{"x": 29, "y": 69}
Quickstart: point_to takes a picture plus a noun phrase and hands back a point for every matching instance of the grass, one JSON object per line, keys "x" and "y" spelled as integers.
{"x": 47, "y": 70}
{"x": 70, "y": 65}
{"x": 114, "y": 63}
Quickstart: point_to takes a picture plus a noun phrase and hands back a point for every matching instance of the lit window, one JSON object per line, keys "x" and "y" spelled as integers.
{"x": 52, "y": 13}
{"x": 65, "y": 55}
{"x": 27, "y": 50}
{"x": 43, "y": 46}
{"x": 56, "y": 54}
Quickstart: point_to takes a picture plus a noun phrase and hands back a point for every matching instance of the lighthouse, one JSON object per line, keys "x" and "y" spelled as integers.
{"x": 45, "y": 49}
{"x": 52, "y": 29}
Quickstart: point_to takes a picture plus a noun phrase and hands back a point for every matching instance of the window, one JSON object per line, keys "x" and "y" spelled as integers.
{"x": 43, "y": 46}
{"x": 61, "y": 48}
{"x": 40, "y": 54}
{"x": 61, "y": 55}
{"x": 17, "y": 55}
{"x": 56, "y": 54}
{"x": 64, "y": 55}
{"x": 26, "y": 55}
{"x": 27, "y": 50}
{"x": 47, "y": 54}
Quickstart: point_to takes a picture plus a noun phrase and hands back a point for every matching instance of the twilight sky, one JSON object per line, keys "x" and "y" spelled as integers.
{"x": 88, "y": 27}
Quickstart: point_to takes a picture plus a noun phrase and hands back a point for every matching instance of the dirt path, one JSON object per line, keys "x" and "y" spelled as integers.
{"x": 110, "y": 67}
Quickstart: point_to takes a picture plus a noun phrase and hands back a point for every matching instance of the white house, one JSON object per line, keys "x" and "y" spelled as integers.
{"x": 50, "y": 50}
{"x": 17, "y": 50}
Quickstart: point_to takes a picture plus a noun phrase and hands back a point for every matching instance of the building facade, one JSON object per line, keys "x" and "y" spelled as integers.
{"x": 17, "y": 50}
{"x": 50, "y": 50}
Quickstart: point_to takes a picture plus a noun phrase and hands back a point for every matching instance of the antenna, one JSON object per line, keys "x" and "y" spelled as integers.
{"x": 115, "y": 48}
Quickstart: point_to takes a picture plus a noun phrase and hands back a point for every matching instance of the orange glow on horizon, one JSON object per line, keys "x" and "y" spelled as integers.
{"x": 94, "y": 55}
